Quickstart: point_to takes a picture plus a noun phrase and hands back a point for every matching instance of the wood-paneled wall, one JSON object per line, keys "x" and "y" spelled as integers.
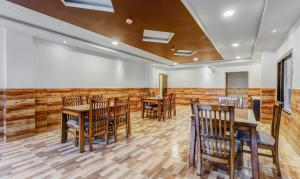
{"x": 20, "y": 113}
{"x": 36, "y": 110}
{"x": 290, "y": 124}
{"x": 206, "y": 95}
{"x": 1, "y": 116}
{"x": 267, "y": 103}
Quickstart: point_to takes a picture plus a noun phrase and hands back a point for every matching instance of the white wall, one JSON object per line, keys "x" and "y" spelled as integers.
{"x": 203, "y": 77}
{"x": 270, "y": 59}
{"x": 61, "y": 66}
{"x": 20, "y": 61}
{"x": 36, "y": 63}
{"x": 2, "y": 59}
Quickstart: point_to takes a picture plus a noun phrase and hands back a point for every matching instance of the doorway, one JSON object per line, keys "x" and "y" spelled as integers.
{"x": 237, "y": 85}
{"x": 163, "y": 84}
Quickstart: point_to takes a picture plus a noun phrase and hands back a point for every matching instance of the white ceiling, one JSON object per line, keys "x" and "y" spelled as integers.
{"x": 251, "y": 25}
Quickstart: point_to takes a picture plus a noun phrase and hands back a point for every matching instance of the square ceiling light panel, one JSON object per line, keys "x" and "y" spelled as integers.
{"x": 185, "y": 52}
{"x": 157, "y": 36}
{"x": 99, "y": 5}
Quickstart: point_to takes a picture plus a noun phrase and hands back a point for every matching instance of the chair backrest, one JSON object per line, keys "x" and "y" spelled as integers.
{"x": 192, "y": 101}
{"x": 98, "y": 115}
{"x": 166, "y": 106}
{"x": 94, "y": 97}
{"x": 235, "y": 101}
{"x": 72, "y": 101}
{"x": 144, "y": 94}
{"x": 276, "y": 120}
{"x": 121, "y": 110}
{"x": 212, "y": 124}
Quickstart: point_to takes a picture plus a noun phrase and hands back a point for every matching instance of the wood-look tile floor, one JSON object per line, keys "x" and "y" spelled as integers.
{"x": 154, "y": 150}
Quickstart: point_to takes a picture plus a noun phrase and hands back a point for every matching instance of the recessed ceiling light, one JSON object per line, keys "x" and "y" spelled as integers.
{"x": 64, "y": 41}
{"x": 129, "y": 21}
{"x": 228, "y": 13}
{"x": 235, "y": 44}
{"x": 115, "y": 43}
{"x": 274, "y": 31}
{"x": 173, "y": 49}
{"x": 195, "y": 59}
{"x": 175, "y": 63}
{"x": 238, "y": 57}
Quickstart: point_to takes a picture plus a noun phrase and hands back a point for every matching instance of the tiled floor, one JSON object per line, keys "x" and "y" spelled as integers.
{"x": 155, "y": 150}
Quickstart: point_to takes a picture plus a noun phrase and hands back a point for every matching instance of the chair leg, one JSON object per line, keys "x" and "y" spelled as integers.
{"x": 277, "y": 162}
{"x": 231, "y": 174}
{"x": 106, "y": 138}
{"x": 115, "y": 134}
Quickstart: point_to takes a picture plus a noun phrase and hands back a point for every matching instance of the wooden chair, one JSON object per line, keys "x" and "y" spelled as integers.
{"x": 173, "y": 103}
{"x": 165, "y": 109}
{"x": 72, "y": 121}
{"x": 265, "y": 140}
{"x": 235, "y": 101}
{"x": 193, "y": 132}
{"x": 121, "y": 116}
{"x": 93, "y": 97}
{"x": 147, "y": 106}
{"x": 214, "y": 142}
{"x": 98, "y": 120}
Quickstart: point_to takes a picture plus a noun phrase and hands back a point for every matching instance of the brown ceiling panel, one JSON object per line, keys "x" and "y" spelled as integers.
{"x": 159, "y": 15}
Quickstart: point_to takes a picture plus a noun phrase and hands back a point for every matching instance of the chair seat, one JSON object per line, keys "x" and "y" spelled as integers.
{"x": 263, "y": 138}
{"x": 73, "y": 123}
{"x": 208, "y": 145}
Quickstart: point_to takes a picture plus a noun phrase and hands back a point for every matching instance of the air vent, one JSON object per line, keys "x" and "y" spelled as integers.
{"x": 184, "y": 52}
{"x": 99, "y": 5}
{"x": 157, "y": 36}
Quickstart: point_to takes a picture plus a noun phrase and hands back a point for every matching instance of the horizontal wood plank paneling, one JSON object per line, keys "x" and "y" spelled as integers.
{"x": 20, "y": 113}
{"x": 267, "y": 103}
{"x": 29, "y": 111}
{"x": 206, "y": 95}
{"x": 291, "y": 123}
{"x": 1, "y": 116}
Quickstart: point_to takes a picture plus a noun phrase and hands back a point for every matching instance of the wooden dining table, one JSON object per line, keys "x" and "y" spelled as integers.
{"x": 156, "y": 100}
{"x": 80, "y": 112}
{"x": 244, "y": 120}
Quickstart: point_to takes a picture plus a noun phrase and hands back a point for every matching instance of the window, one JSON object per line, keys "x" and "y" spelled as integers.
{"x": 284, "y": 84}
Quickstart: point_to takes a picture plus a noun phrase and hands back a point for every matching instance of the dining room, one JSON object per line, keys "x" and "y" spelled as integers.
{"x": 149, "y": 89}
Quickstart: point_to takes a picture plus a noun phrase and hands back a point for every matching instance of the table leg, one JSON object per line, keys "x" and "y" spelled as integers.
{"x": 159, "y": 111}
{"x": 254, "y": 154}
{"x": 192, "y": 142}
{"x": 129, "y": 122}
{"x": 81, "y": 132}
{"x": 63, "y": 124}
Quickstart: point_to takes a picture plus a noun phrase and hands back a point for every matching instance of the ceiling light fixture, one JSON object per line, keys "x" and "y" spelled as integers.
{"x": 274, "y": 31}
{"x": 64, "y": 41}
{"x": 129, "y": 21}
{"x": 238, "y": 57}
{"x": 175, "y": 63}
{"x": 228, "y": 13}
{"x": 173, "y": 49}
{"x": 195, "y": 59}
{"x": 115, "y": 43}
{"x": 235, "y": 44}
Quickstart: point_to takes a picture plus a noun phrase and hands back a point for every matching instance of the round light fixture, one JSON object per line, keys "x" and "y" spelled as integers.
{"x": 238, "y": 57}
{"x": 235, "y": 44}
{"x": 64, "y": 41}
{"x": 175, "y": 63}
{"x": 274, "y": 31}
{"x": 195, "y": 59}
{"x": 129, "y": 21}
{"x": 228, "y": 13}
{"x": 173, "y": 49}
{"x": 115, "y": 43}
